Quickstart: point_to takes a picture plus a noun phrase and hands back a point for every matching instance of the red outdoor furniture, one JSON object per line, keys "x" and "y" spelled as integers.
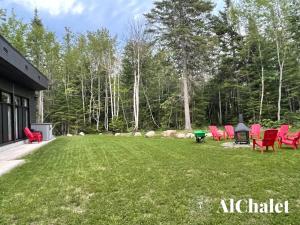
{"x": 269, "y": 139}
{"x": 283, "y": 131}
{"x": 33, "y": 136}
{"x": 216, "y": 134}
{"x": 229, "y": 131}
{"x": 290, "y": 141}
{"x": 255, "y": 131}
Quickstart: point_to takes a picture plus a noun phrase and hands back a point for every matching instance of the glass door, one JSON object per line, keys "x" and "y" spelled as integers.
{"x": 6, "y": 117}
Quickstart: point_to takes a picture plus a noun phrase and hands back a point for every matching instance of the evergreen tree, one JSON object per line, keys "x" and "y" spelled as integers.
{"x": 180, "y": 26}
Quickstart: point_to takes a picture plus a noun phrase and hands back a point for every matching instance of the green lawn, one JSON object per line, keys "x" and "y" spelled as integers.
{"x": 134, "y": 180}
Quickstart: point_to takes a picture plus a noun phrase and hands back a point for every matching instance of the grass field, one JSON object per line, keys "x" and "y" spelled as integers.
{"x": 132, "y": 180}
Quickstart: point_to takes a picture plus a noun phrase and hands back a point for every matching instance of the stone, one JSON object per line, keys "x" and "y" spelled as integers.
{"x": 117, "y": 134}
{"x": 190, "y": 135}
{"x": 150, "y": 134}
{"x": 82, "y": 134}
{"x": 100, "y": 134}
{"x": 208, "y": 135}
{"x": 137, "y": 134}
{"x": 180, "y": 135}
{"x": 169, "y": 133}
{"x": 69, "y": 135}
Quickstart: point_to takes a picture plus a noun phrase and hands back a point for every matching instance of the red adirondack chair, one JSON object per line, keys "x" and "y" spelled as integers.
{"x": 269, "y": 139}
{"x": 283, "y": 130}
{"x": 33, "y": 136}
{"x": 290, "y": 140}
{"x": 216, "y": 134}
{"x": 255, "y": 131}
{"x": 229, "y": 131}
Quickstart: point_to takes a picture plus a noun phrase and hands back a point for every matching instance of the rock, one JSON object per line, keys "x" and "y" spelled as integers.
{"x": 82, "y": 134}
{"x": 69, "y": 135}
{"x": 100, "y": 134}
{"x": 169, "y": 133}
{"x": 117, "y": 134}
{"x": 137, "y": 134}
{"x": 209, "y": 135}
{"x": 190, "y": 135}
{"x": 150, "y": 134}
{"x": 180, "y": 135}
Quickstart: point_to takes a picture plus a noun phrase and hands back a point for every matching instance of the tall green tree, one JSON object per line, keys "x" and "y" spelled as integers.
{"x": 180, "y": 26}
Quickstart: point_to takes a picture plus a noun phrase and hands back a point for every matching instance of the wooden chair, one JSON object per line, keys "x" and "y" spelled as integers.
{"x": 269, "y": 139}
{"x": 216, "y": 134}
{"x": 255, "y": 131}
{"x": 33, "y": 136}
{"x": 283, "y": 131}
{"x": 290, "y": 141}
{"x": 229, "y": 131}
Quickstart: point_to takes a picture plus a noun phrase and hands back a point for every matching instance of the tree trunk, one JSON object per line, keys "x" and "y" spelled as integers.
{"x": 187, "y": 118}
{"x": 83, "y": 98}
{"x": 262, "y": 83}
{"x": 106, "y": 107}
{"x": 220, "y": 109}
{"x": 279, "y": 92}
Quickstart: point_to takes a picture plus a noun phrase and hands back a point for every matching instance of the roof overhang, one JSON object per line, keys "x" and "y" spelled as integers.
{"x": 14, "y": 67}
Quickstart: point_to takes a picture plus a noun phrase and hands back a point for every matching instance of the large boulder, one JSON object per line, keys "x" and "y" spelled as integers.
{"x": 169, "y": 133}
{"x": 150, "y": 134}
{"x": 82, "y": 134}
{"x": 137, "y": 134}
{"x": 117, "y": 134}
{"x": 180, "y": 135}
{"x": 69, "y": 135}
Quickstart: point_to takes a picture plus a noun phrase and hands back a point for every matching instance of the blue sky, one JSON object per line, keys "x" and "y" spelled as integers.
{"x": 83, "y": 15}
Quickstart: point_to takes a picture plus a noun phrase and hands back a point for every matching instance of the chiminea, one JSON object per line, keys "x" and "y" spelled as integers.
{"x": 241, "y": 132}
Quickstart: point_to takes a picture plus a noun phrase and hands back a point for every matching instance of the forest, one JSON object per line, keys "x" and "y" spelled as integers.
{"x": 184, "y": 65}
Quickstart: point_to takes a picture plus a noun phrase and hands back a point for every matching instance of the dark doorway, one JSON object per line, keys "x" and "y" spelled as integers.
{"x": 6, "y": 117}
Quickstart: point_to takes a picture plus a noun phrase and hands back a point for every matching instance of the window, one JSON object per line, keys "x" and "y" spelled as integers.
{"x": 14, "y": 117}
{"x": 6, "y": 98}
{"x": 7, "y": 117}
{"x": 25, "y": 102}
{"x": 17, "y": 101}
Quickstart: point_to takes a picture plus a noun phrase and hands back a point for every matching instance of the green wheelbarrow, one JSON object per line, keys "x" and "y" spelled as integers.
{"x": 200, "y": 135}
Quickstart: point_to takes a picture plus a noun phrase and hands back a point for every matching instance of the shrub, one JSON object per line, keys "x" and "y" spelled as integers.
{"x": 117, "y": 124}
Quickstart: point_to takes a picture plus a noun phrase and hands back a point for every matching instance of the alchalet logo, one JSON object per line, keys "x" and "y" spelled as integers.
{"x": 250, "y": 206}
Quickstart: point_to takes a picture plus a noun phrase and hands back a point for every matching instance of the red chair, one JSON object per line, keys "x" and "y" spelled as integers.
{"x": 229, "y": 131}
{"x": 283, "y": 130}
{"x": 33, "y": 136}
{"x": 290, "y": 140}
{"x": 216, "y": 134}
{"x": 255, "y": 131}
{"x": 269, "y": 139}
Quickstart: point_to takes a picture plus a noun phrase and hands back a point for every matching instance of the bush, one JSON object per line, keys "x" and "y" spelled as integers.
{"x": 117, "y": 125}
{"x": 89, "y": 130}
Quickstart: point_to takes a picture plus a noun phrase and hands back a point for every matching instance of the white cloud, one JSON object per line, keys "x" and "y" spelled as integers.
{"x": 53, "y": 7}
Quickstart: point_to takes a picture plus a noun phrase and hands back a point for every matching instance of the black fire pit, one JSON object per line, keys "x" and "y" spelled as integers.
{"x": 241, "y": 132}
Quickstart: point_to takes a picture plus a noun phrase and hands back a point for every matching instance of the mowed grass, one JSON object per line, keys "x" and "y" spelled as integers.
{"x": 135, "y": 180}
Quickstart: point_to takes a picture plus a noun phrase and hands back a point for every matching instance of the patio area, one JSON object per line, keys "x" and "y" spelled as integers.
{"x": 11, "y": 155}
